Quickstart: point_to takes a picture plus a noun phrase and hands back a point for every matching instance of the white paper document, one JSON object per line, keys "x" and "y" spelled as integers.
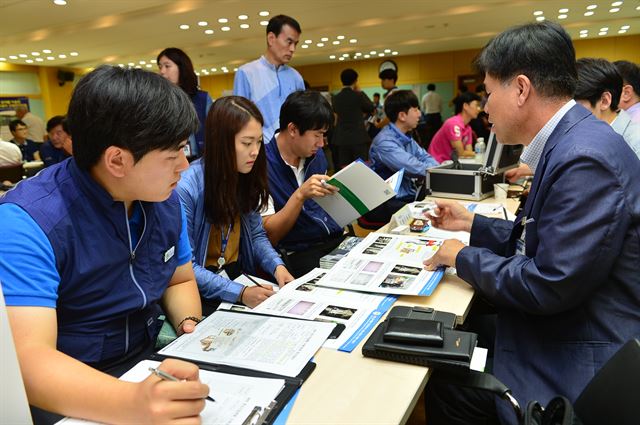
{"x": 235, "y": 396}
{"x": 269, "y": 344}
{"x": 388, "y": 264}
{"x": 361, "y": 190}
{"x": 359, "y": 312}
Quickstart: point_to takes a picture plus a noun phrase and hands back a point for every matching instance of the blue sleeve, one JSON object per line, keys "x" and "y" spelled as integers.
{"x": 423, "y": 156}
{"x": 241, "y": 86}
{"x": 209, "y": 103}
{"x": 395, "y": 158}
{"x": 28, "y": 270}
{"x": 184, "y": 247}
{"x": 263, "y": 252}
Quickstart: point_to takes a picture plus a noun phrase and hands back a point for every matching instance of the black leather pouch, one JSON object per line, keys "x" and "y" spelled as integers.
{"x": 414, "y": 331}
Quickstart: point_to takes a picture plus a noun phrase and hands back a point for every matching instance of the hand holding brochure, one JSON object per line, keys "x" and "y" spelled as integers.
{"x": 361, "y": 190}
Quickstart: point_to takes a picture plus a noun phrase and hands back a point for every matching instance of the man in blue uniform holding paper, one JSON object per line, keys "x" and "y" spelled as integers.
{"x": 92, "y": 246}
{"x": 564, "y": 277}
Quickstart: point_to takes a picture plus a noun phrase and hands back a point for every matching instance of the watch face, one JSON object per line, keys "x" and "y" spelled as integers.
{"x": 388, "y": 64}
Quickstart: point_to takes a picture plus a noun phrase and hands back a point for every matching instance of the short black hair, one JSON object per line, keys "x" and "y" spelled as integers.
{"x": 348, "y": 76}
{"x": 376, "y": 94}
{"x": 480, "y": 88}
{"x": 542, "y": 51}
{"x": 55, "y": 121}
{"x": 400, "y": 101}
{"x": 307, "y": 110}
{"x": 630, "y": 73}
{"x": 596, "y": 76}
{"x": 15, "y": 123}
{"x": 187, "y": 78}
{"x": 277, "y": 22}
{"x": 389, "y": 74}
{"x": 133, "y": 109}
{"x": 431, "y": 86}
{"x": 462, "y": 98}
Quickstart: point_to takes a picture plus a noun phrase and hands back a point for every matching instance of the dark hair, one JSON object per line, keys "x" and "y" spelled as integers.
{"x": 462, "y": 98}
{"x": 133, "y": 109}
{"x": 228, "y": 193}
{"x": 431, "y": 87}
{"x": 389, "y": 74}
{"x": 55, "y": 121}
{"x": 400, "y": 101}
{"x": 596, "y": 76}
{"x": 630, "y": 73}
{"x": 15, "y": 123}
{"x": 187, "y": 78}
{"x": 307, "y": 110}
{"x": 480, "y": 88}
{"x": 277, "y": 22}
{"x": 376, "y": 94}
{"x": 348, "y": 76}
{"x": 541, "y": 51}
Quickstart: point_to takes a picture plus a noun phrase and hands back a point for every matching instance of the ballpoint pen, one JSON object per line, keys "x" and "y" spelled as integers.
{"x": 254, "y": 281}
{"x": 168, "y": 377}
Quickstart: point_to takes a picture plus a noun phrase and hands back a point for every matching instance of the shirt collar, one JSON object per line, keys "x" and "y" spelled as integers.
{"x": 404, "y": 137}
{"x": 266, "y": 63}
{"x": 533, "y": 152}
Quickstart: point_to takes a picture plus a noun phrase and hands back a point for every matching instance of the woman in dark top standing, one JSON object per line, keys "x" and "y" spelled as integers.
{"x": 176, "y": 66}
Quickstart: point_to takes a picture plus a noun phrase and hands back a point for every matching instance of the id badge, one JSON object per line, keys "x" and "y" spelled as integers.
{"x": 520, "y": 243}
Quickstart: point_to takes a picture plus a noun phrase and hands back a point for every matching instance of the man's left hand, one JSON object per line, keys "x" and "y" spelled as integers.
{"x": 445, "y": 256}
{"x": 282, "y": 276}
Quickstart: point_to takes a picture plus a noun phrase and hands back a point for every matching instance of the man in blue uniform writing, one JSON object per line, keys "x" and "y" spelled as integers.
{"x": 94, "y": 245}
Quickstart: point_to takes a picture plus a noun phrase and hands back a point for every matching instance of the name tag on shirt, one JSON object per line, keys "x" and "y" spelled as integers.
{"x": 520, "y": 243}
{"x": 168, "y": 255}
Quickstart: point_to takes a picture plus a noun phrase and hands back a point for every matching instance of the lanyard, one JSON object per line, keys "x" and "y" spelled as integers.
{"x": 223, "y": 247}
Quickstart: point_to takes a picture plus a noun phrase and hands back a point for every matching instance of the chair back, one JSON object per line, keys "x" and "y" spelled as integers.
{"x": 13, "y": 173}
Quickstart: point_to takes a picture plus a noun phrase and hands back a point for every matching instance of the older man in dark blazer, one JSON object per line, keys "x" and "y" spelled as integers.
{"x": 352, "y": 107}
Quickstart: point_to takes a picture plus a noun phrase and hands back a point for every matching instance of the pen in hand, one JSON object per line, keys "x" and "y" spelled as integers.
{"x": 254, "y": 281}
{"x": 168, "y": 377}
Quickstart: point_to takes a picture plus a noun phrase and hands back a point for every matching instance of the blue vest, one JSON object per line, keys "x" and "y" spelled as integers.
{"x": 108, "y": 294}
{"x": 200, "y": 104}
{"x": 313, "y": 225}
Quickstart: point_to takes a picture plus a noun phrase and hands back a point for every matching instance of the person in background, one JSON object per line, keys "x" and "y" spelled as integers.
{"x": 455, "y": 133}
{"x": 35, "y": 125}
{"x": 59, "y": 146}
{"x": 221, "y": 194}
{"x": 630, "y": 98}
{"x": 30, "y": 149}
{"x": 176, "y": 66}
{"x": 394, "y": 149}
{"x": 92, "y": 246}
{"x": 376, "y": 116}
{"x": 297, "y": 170}
{"x": 268, "y": 81}
{"x": 10, "y": 154}
{"x": 432, "y": 110}
{"x": 480, "y": 125}
{"x": 351, "y": 107}
{"x": 563, "y": 277}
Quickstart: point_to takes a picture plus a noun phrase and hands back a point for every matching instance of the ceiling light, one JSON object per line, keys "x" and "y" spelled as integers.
{"x": 367, "y": 56}
{"x": 3, "y": 59}
{"x": 131, "y": 64}
{"x": 345, "y": 55}
{"x": 46, "y": 51}
{"x": 616, "y": 3}
{"x": 62, "y": 56}
{"x": 308, "y": 42}
{"x": 60, "y": 2}
{"x": 353, "y": 41}
{"x": 602, "y": 33}
{"x": 235, "y": 69}
{"x": 335, "y": 42}
{"x": 637, "y": 7}
{"x": 320, "y": 44}
{"x": 225, "y": 29}
{"x": 538, "y": 13}
{"x": 340, "y": 37}
{"x": 264, "y": 13}
{"x": 340, "y": 58}
{"x": 589, "y": 13}
{"x": 13, "y": 57}
{"x": 198, "y": 74}
{"x": 614, "y": 10}
{"x": 584, "y": 35}
{"x": 152, "y": 60}
{"x": 625, "y": 27}
{"x": 121, "y": 65}
{"x": 29, "y": 61}
{"x": 583, "y": 31}
{"x": 203, "y": 23}
{"x": 562, "y": 16}
{"x": 214, "y": 69}
{"x": 387, "y": 50}
{"x": 324, "y": 39}
{"x": 604, "y": 29}
{"x": 22, "y": 55}
{"x": 184, "y": 27}
{"x": 619, "y": 32}
{"x": 592, "y": 6}
{"x": 243, "y": 17}
{"x": 264, "y": 23}
{"x": 540, "y": 18}
{"x": 394, "y": 53}
{"x": 35, "y": 53}
{"x": 381, "y": 54}
{"x": 74, "y": 53}
{"x": 209, "y": 31}
{"x": 50, "y": 58}
{"x": 565, "y": 10}
{"x": 223, "y": 20}
{"x": 225, "y": 71}
{"x": 373, "y": 52}
{"x": 42, "y": 60}
{"x": 305, "y": 46}
{"x": 142, "y": 62}
{"x": 148, "y": 65}
{"x": 330, "y": 57}
{"x": 244, "y": 26}
{"x": 358, "y": 54}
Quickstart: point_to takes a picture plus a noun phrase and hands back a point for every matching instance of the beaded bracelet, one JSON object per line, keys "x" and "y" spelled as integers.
{"x": 195, "y": 319}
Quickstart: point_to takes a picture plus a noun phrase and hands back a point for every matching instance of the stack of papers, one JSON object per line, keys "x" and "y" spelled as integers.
{"x": 330, "y": 260}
